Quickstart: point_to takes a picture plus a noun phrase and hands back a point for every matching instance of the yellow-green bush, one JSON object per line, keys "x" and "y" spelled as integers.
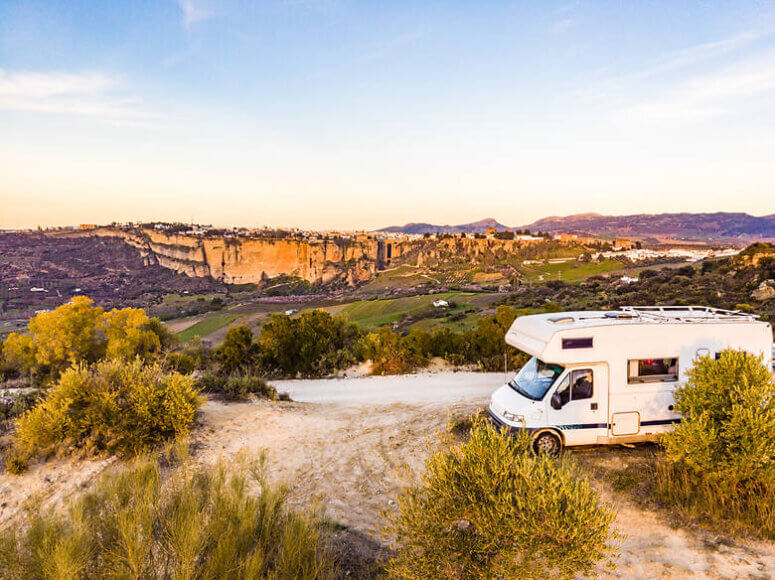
{"x": 78, "y": 332}
{"x": 392, "y": 354}
{"x": 113, "y": 406}
{"x": 489, "y": 508}
{"x": 719, "y": 463}
{"x": 187, "y": 523}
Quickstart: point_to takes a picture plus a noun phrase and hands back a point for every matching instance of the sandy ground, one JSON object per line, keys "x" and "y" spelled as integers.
{"x": 350, "y": 444}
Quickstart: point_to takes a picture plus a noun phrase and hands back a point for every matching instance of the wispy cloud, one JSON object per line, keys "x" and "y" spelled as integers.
{"x": 710, "y": 94}
{"x": 563, "y": 17}
{"x": 91, "y": 94}
{"x": 192, "y": 12}
{"x": 698, "y": 54}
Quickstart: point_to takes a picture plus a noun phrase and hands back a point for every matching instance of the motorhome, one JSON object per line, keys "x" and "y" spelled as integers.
{"x": 609, "y": 377}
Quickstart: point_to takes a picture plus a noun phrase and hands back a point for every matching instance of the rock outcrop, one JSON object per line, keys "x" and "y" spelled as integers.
{"x": 765, "y": 291}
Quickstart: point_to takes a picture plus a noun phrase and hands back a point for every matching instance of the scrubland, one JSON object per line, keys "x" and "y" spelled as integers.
{"x": 131, "y": 454}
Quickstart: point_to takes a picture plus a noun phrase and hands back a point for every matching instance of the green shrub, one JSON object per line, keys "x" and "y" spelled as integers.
{"x": 236, "y": 387}
{"x": 180, "y": 362}
{"x": 212, "y": 522}
{"x": 490, "y": 508}
{"x": 113, "y": 406}
{"x": 238, "y": 352}
{"x": 719, "y": 463}
{"x": 310, "y": 345}
{"x": 484, "y": 346}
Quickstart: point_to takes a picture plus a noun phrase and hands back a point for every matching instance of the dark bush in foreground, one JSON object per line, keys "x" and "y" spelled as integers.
{"x": 236, "y": 387}
{"x": 489, "y": 508}
{"x": 192, "y": 523}
{"x": 113, "y": 406}
{"x": 719, "y": 463}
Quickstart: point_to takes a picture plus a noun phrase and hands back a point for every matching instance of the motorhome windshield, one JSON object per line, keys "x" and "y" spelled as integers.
{"x": 535, "y": 378}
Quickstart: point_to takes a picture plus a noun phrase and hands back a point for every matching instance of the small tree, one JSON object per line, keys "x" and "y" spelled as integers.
{"x": 489, "y": 508}
{"x": 312, "y": 344}
{"x": 728, "y": 417}
{"x": 128, "y": 333}
{"x": 78, "y": 332}
{"x": 68, "y": 335}
{"x": 238, "y": 352}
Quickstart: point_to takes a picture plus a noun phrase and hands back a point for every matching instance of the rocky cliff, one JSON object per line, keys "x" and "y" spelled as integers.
{"x": 350, "y": 261}
{"x": 255, "y": 260}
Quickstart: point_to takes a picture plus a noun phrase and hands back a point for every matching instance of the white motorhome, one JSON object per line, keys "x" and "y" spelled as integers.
{"x": 609, "y": 377}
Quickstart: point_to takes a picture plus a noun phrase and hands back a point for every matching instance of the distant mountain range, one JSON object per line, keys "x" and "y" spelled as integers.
{"x": 701, "y": 225}
{"x": 479, "y": 227}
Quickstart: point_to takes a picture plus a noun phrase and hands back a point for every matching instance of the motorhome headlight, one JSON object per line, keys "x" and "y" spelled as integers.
{"x": 513, "y": 417}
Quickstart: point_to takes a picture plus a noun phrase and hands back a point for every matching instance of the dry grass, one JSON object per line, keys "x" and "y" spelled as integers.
{"x": 149, "y": 521}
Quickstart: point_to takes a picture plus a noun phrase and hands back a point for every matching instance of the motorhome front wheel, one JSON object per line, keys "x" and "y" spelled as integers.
{"x": 548, "y": 443}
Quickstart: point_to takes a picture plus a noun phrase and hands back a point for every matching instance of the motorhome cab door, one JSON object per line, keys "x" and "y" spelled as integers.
{"x": 578, "y": 405}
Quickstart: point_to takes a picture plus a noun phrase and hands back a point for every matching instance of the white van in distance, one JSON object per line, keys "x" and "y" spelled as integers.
{"x": 609, "y": 377}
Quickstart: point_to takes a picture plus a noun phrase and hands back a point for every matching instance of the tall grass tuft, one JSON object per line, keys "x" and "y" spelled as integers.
{"x": 719, "y": 463}
{"x": 188, "y": 523}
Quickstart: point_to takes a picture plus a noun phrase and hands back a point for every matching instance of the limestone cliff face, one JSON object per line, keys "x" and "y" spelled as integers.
{"x": 333, "y": 260}
{"x": 254, "y": 260}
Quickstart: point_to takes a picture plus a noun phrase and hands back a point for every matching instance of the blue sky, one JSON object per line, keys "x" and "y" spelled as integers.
{"x": 336, "y": 114}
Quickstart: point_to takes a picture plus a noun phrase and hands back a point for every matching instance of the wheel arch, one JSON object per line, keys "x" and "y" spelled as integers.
{"x": 552, "y": 430}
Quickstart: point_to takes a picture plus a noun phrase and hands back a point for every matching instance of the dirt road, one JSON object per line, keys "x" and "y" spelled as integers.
{"x": 351, "y": 443}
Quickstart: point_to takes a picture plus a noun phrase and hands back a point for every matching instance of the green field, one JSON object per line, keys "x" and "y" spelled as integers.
{"x": 206, "y": 326}
{"x": 373, "y": 313}
{"x": 569, "y": 271}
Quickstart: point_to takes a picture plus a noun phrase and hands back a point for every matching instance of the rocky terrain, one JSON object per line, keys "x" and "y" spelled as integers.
{"x": 39, "y": 271}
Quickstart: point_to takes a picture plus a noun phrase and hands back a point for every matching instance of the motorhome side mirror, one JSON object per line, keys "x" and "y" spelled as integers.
{"x": 556, "y": 401}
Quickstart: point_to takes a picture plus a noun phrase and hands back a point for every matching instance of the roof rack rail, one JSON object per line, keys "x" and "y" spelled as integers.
{"x": 687, "y": 313}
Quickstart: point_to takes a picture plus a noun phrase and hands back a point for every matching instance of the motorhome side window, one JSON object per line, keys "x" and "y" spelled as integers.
{"x": 581, "y": 385}
{"x": 652, "y": 370}
{"x": 577, "y": 385}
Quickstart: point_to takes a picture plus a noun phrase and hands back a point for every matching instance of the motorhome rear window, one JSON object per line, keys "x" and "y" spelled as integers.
{"x": 568, "y": 343}
{"x": 652, "y": 370}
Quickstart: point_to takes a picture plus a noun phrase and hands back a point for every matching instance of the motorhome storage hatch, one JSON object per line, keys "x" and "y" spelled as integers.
{"x": 609, "y": 377}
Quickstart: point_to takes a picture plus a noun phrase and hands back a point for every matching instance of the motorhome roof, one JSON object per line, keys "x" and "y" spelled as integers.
{"x": 533, "y": 333}
{"x": 641, "y": 315}
{"x": 543, "y": 326}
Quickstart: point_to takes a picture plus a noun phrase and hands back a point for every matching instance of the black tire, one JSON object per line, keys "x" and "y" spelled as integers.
{"x": 547, "y": 443}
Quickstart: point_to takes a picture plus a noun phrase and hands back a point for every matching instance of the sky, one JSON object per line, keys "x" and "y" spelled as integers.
{"x": 331, "y": 114}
